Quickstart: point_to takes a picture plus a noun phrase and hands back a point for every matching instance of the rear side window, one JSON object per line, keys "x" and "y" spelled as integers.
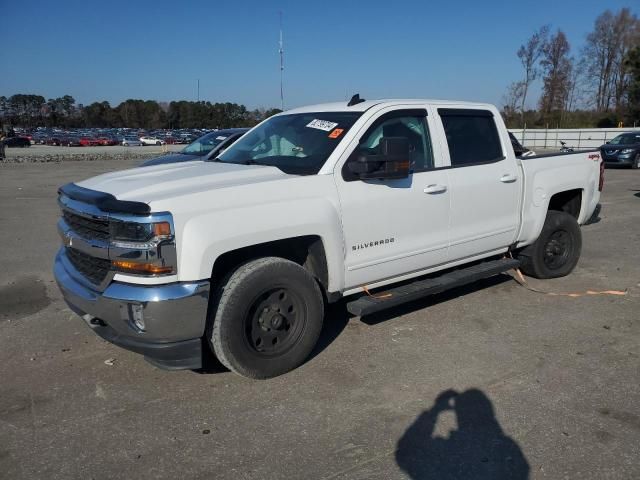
{"x": 472, "y": 136}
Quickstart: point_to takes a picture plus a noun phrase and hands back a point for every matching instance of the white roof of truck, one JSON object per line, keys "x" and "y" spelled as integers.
{"x": 361, "y": 107}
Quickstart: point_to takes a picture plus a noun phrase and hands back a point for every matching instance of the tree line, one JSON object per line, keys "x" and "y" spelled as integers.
{"x": 598, "y": 86}
{"x": 29, "y": 110}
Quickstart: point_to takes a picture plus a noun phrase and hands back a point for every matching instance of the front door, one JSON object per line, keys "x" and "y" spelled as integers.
{"x": 399, "y": 226}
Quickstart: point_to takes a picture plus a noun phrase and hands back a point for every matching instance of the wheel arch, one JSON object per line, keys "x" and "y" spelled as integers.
{"x": 568, "y": 201}
{"x": 307, "y": 251}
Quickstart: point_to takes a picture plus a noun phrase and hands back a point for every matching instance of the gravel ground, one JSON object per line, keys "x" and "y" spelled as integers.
{"x": 547, "y": 387}
{"x": 46, "y": 153}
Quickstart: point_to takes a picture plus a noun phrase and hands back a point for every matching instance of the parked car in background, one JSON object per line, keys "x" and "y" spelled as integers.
{"x": 151, "y": 141}
{"x": 131, "y": 142}
{"x": 39, "y": 139}
{"x": 71, "y": 141}
{"x": 54, "y": 140}
{"x": 19, "y": 142}
{"x": 204, "y": 148}
{"x": 89, "y": 142}
{"x": 104, "y": 141}
{"x": 622, "y": 150}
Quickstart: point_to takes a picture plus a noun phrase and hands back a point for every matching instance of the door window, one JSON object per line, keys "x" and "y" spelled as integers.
{"x": 401, "y": 124}
{"x": 472, "y": 136}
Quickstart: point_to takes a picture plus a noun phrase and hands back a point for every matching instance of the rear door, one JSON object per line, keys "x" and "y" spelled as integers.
{"x": 485, "y": 183}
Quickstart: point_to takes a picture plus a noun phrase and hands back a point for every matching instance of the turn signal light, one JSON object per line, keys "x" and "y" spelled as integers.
{"x": 161, "y": 229}
{"x": 143, "y": 268}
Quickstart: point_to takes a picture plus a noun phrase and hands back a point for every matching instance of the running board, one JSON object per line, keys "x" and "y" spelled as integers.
{"x": 369, "y": 304}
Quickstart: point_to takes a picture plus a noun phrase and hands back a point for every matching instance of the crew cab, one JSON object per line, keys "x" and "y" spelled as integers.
{"x": 378, "y": 202}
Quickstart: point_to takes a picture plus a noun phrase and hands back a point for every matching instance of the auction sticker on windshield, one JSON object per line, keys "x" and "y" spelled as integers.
{"x": 322, "y": 125}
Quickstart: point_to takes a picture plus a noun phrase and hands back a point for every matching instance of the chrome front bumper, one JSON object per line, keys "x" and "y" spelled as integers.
{"x": 174, "y": 315}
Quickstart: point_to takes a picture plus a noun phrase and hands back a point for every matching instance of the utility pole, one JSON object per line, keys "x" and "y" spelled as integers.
{"x": 281, "y": 52}
{"x": 198, "y": 97}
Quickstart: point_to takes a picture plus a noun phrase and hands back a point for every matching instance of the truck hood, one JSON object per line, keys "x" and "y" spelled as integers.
{"x": 171, "y": 158}
{"x": 161, "y": 182}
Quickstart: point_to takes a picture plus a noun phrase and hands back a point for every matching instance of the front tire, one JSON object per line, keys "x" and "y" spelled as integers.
{"x": 268, "y": 318}
{"x": 556, "y": 251}
{"x": 636, "y": 162}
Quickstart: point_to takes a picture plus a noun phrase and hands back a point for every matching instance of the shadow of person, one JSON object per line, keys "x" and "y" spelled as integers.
{"x": 478, "y": 449}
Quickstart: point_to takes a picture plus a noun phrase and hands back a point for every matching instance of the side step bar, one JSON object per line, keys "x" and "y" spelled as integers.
{"x": 367, "y": 305}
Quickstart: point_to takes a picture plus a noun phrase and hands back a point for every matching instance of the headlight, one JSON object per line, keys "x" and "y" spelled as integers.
{"x": 140, "y": 248}
{"x": 627, "y": 150}
{"x": 139, "y": 232}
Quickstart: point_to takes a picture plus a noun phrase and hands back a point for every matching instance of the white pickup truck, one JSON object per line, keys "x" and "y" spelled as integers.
{"x": 382, "y": 202}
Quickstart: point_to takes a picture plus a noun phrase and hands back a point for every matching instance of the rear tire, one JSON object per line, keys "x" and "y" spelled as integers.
{"x": 268, "y": 318}
{"x": 556, "y": 251}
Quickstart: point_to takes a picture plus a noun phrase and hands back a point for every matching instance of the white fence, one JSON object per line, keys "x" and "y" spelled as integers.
{"x": 573, "y": 137}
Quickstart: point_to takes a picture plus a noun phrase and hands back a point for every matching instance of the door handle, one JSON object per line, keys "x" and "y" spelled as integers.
{"x": 508, "y": 178}
{"x": 435, "y": 189}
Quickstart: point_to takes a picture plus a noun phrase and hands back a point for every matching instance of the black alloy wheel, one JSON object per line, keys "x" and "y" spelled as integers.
{"x": 557, "y": 249}
{"x": 275, "y": 321}
{"x": 265, "y": 317}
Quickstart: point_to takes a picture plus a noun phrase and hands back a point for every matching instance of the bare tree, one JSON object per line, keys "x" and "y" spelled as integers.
{"x": 632, "y": 65}
{"x": 606, "y": 48}
{"x": 556, "y": 66}
{"x": 529, "y": 55}
{"x": 513, "y": 97}
{"x": 627, "y": 27}
{"x": 511, "y": 103}
{"x": 576, "y": 86}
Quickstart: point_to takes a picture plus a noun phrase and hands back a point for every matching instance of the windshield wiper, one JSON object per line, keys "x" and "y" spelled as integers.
{"x": 245, "y": 162}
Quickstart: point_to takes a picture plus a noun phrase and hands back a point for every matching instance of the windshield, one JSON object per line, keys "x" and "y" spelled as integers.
{"x": 205, "y": 144}
{"x": 626, "y": 139}
{"x": 297, "y": 144}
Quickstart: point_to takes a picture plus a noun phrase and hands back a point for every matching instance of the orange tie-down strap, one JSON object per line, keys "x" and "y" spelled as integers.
{"x": 520, "y": 279}
{"x": 376, "y": 295}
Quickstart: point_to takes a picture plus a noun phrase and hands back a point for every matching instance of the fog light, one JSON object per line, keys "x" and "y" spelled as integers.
{"x": 136, "y": 312}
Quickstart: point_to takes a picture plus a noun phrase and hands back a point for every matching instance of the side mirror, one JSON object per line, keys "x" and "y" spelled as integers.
{"x": 391, "y": 162}
{"x": 607, "y": 143}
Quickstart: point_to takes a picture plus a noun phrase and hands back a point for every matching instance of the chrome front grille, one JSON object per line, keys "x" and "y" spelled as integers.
{"x": 90, "y": 249}
{"x": 89, "y": 228}
{"x": 94, "y": 269}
